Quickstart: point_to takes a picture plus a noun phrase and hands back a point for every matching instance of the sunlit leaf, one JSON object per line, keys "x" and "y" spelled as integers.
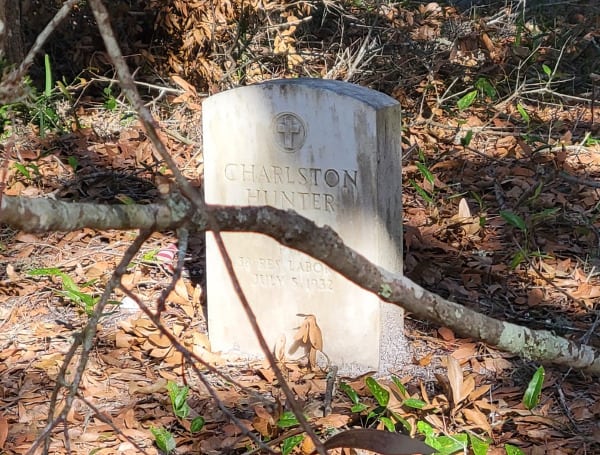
{"x": 197, "y": 424}
{"x": 467, "y": 100}
{"x": 478, "y": 446}
{"x": 164, "y": 439}
{"x": 547, "y": 70}
{"x": 523, "y": 113}
{"x": 350, "y": 392}
{"x": 513, "y": 450}
{"x": 400, "y": 386}
{"x": 531, "y": 398}
{"x": 388, "y": 423}
{"x": 426, "y": 173}
{"x": 414, "y": 403}
{"x": 289, "y": 443}
{"x": 448, "y": 445}
{"x": 287, "y": 419}
{"x": 424, "y": 194}
{"x": 379, "y": 392}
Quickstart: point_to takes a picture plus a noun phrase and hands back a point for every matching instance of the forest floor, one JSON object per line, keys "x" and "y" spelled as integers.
{"x": 522, "y": 246}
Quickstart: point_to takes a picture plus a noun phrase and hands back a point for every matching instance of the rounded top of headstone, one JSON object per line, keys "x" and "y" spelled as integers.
{"x": 366, "y": 95}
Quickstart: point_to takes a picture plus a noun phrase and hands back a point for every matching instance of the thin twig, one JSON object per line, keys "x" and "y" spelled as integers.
{"x": 150, "y": 125}
{"x": 84, "y": 339}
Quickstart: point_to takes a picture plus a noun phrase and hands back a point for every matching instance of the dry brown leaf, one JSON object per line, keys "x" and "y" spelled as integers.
{"x": 314, "y": 333}
{"x": 279, "y": 349}
{"x": 479, "y": 392}
{"x": 264, "y": 422}
{"x": 478, "y": 418}
{"x": 467, "y": 387}
{"x": 455, "y": 379}
{"x": 425, "y": 360}
{"x": 465, "y": 352}
{"x": 535, "y": 296}
{"x": 446, "y": 334}
{"x": 159, "y": 340}
{"x": 159, "y": 385}
{"x": 3, "y": 431}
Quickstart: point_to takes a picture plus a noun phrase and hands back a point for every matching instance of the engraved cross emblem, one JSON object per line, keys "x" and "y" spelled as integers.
{"x": 290, "y": 130}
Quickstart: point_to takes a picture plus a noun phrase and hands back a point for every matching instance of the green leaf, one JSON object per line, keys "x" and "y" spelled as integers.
{"x": 197, "y": 424}
{"x": 48, "y": 86}
{"x": 467, "y": 100}
{"x": 358, "y": 407}
{"x": 513, "y": 450}
{"x": 289, "y": 443}
{"x": 350, "y": 392}
{"x": 73, "y": 162}
{"x": 150, "y": 256}
{"x": 401, "y": 388}
{"x": 425, "y": 429}
{"x": 523, "y": 113}
{"x": 381, "y": 394}
{"x": 531, "y": 398}
{"x": 486, "y": 87}
{"x": 465, "y": 141}
{"x": 178, "y": 396}
{"x": 547, "y": 70}
{"x": 518, "y": 259}
{"x": 514, "y": 219}
{"x": 287, "y": 419}
{"x": 447, "y": 445}
{"x": 424, "y": 194}
{"x": 414, "y": 403}
{"x": 23, "y": 170}
{"x": 402, "y": 421}
{"x": 164, "y": 439}
{"x": 426, "y": 173}
{"x": 49, "y": 271}
{"x": 478, "y": 446}
{"x": 388, "y": 423}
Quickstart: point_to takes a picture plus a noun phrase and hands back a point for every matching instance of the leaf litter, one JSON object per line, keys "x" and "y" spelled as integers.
{"x": 458, "y": 246}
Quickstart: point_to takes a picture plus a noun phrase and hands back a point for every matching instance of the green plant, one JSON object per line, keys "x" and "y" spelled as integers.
{"x": 531, "y": 397}
{"x": 70, "y": 290}
{"x": 526, "y": 228}
{"x": 467, "y": 100}
{"x": 178, "y": 396}
{"x": 43, "y": 111}
{"x": 288, "y": 420}
{"x": 426, "y": 194}
{"x": 384, "y": 413}
{"x": 24, "y": 170}
{"x": 110, "y": 102}
{"x": 164, "y": 439}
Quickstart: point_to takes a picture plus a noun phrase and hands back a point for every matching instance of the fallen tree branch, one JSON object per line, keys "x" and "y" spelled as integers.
{"x": 322, "y": 243}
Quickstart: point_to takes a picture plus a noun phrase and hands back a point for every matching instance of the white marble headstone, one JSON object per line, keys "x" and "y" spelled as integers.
{"x": 330, "y": 151}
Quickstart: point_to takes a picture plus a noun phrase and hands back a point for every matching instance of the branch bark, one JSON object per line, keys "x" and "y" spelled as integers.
{"x": 322, "y": 243}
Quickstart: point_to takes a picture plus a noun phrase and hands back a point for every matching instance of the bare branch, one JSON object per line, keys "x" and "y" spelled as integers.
{"x": 322, "y": 243}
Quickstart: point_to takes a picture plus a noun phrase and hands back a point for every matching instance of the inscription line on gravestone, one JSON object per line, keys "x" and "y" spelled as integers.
{"x": 320, "y": 148}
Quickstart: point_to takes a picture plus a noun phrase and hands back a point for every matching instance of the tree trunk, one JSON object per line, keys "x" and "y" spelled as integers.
{"x": 11, "y": 39}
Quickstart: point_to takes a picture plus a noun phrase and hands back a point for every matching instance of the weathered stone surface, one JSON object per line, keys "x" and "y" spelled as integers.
{"x": 330, "y": 151}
